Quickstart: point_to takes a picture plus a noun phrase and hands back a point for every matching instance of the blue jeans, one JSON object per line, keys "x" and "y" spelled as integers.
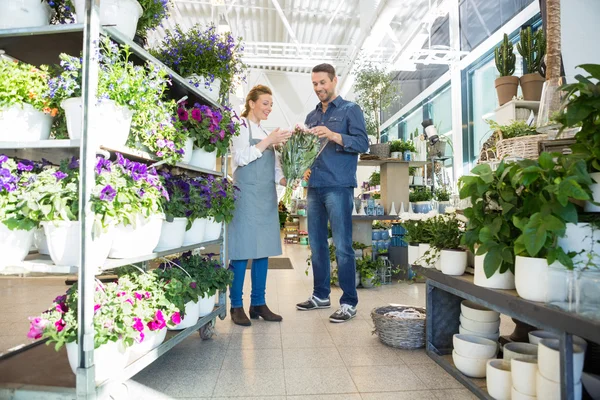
{"x": 334, "y": 205}
{"x": 259, "y": 282}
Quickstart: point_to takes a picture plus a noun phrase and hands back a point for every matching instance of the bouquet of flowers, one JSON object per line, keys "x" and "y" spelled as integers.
{"x": 297, "y": 155}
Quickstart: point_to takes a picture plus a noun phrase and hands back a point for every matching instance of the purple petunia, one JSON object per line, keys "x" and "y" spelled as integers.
{"x": 108, "y": 193}
{"x": 25, "y": 165}
{"x": 59, "y": 175}
{"x": 74, "y": 163}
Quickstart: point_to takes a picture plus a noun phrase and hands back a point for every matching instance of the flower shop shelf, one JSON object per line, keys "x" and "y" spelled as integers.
{"x": 43, "y": 45}
{"x": 377, "y": 163}
{"x": 374, "y": 217}
{"x": 444, "y": 295}
{"x": 38, "y": 370}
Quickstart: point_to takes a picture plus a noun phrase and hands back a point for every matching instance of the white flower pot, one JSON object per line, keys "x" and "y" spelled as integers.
{"x": 411, "y": 179}
{"x": 187, "y": 151}
{"x": 110, "y": 359}
{"x": 581, "y": 237}
{"x": 454, "y": 262}
{"x": 478, "y": 313}
{"x": 498, "y": 379}
{"x": 113, "y": 123}
{"x": 549, "y": 360}
{"x": 171, "y": 234}
{"x": 133, "y": 241}
{"x": 24, "y": 14}
{"x": 492, "y": 336}
{"x": 473, "y": 367}
{"x": 423, "y": 247}
{"x": 516, "y": 395}
{"x": 497, "y": 281}
{"x": 396, "y": 154}
{"x": 204, "y": 159}
{"x": 474, "y": 346}
{"x": 192, "y": 313}
{"x": 531, "y": 278}
{"x": 14, "y": 245}
{"x": 212, "y": 92}
{"x": 206, "y": 305}
{"x": 413, "y": 254}
{"x": 478, "y": 326}
{"x": 63, "y": 243}
{"x": 122, "y": 14}
{"x": 152, "y": 339}
{"x": 40, "y": 242}
{"x": 212, "y": 230}
{"x": 24, "y": 123}
{"x": 589, "y": 207}
{"x": 549, "y": 390}
{"x": 367, "y": 283}
{"x": 196, "y": 233}
{"x": 535, "y": 337}
{"x": 523, "y": 375}
{"x": 521, "y": 351}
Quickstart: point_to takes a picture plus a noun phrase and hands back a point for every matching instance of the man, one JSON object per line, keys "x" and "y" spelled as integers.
{"x": 331, "y": 192}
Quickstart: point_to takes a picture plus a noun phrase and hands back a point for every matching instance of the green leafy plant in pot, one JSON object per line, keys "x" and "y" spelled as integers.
{"x": 532, "y": 47}
{"x": 446, "y": 237}
{"x": 369, "y": 271}
{"x": 582, "y": 109}
{"x": 506, "y": 84}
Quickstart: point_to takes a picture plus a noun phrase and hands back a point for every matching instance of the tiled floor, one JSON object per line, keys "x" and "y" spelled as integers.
{"x": 305, "y": 357}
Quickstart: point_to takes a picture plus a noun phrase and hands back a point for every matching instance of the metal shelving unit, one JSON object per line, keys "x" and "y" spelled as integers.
{"x": 444, "y": 295}
{"x": 53, "y": 377}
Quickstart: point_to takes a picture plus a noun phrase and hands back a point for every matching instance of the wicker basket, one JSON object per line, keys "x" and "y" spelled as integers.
{"x": 381, "y": 150}
{"x": 402, "y": 333}
{"x": 520, "y": 147}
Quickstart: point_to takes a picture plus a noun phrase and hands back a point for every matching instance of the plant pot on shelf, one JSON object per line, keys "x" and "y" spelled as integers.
{"x": 113, "y": 123}
{"x": 110, "y": 359}
{"x": 212, "y": 230}
{"x": 531, "y": 278}
{"x": 14, "y": 245}
{"x": 133, "y": 241}
{"x": 523, "y": 375}
{"x": 396, "y": 154}
{"x": 196, "y": 233}
{"x": 187, "y": 151}
{"x": 454, "y": 262}
{"x": 422, "y": 207}
{"x": 499, "y": 280}
{"x": 192, "y": 313}
{"x": 63, "y": 243}
{"x": 595, "y": 188}
{"x": 171, "y": 234}
{"x": 381, "y": 150}
{"x": 122, "y": 14}
{"x": 498, "y": 379}
{"x": 40, "y": 242}
{"x": 203, "y": 159}
{"x": 407, "y": 155}
{"x": 442, "y": 205}
{"x": 506, "y": 88}
{"x": 206, "y": 304}
{"x": 23, "y": 123}
{"x": 24, "y": 14}
{"x": 152, "y": 339}
{"x": 549, "y": 360}
{"x": 531, "y": 86}
{"x": 210, "y": 90}
{"x": 411, "y": 179}
{"x": 550, "y": 390}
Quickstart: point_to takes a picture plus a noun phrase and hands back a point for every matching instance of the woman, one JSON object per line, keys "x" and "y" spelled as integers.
{"x": 254, "y": 230}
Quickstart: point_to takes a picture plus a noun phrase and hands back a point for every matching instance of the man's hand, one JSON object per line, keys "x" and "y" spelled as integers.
{"x": 295, "y": 184}
{"x": 324, "y": 133}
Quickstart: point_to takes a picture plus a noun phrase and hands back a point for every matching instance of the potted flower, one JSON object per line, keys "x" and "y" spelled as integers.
{"x": 442, "y": 196}
{"x": 210, "y": 131}
{"x": 197, "y": 211}
{"x": 581, "y": 110}
{"x": 369, "y": 271}
{"x": 375, "y": 180}
{"x": 114, "y": 324}
{"x": 446, "y": 237}
{"x": 175, "y": 207}
{"x": 25, "y": 112}
{"x": 24, "y": 14}
{"x": 506, "y": 84}
{"x": 396, "y": 148}
{"x": 418, "y": 236}
{"x": 221, "y": 201}
{"x": 420, "y": 198}
{"x": 211, "y": 61}
{"x": 546, "y": 187}
{"x": 16, "y": 227}
{"x": 532, "y": 47}
{"x": 490, "y": 232}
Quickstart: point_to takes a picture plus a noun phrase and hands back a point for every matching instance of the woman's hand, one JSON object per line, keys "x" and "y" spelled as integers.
{"x": 295, "y": 184}
{"x": 279, "y": 136}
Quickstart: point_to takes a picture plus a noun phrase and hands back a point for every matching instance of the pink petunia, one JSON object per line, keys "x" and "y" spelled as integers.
{"x": 176, "y": 318}
{"x": 158, "y": 322}
{"x": 222, "y": 134}
{"x": 197, "y": 115}
{"x": 147, "y": 295}
{"x": 138, "y": 296}
{"x": 138, "y": 325}
{"x": 62, "y": 308}
{"x": 36, "y": 327}
{"x": 60, "y": 325}
{"x": 96, "y": 308}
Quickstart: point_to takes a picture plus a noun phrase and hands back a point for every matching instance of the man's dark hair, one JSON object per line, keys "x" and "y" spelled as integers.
{"x": 328, "y": 68}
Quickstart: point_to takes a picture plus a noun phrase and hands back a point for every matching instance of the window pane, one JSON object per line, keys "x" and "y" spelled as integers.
{"x": 441, "y": 111}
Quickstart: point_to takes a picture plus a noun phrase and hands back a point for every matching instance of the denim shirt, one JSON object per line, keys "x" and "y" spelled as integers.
{"x": 336, "y": 165}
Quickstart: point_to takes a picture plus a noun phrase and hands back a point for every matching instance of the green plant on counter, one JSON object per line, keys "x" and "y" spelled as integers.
{"x": 379, "y": 225}
{"x": 447, "y": 232}
{"x": 512, "y": 130}
{"x": 402, "y": 146}
{"x": 412, "y": 170}
{"x": 375, "y": 179}
{"x": 376, "y": 196}
{"x": 532, "y": 47}
{"x": 420, "y": 194}
{"x": 369, "y": 268}
{"x": 505, "y": 58}
{"x": 442, "y": 194}
{"x": 582, "y": 109}
{"x": 418, "y": 231}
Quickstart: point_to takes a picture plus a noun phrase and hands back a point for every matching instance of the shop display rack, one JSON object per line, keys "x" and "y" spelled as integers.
{"x": 37, "y": 371}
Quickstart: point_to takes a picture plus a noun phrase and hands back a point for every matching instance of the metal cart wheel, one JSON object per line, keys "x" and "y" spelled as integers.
{"x": 208, "y": 330}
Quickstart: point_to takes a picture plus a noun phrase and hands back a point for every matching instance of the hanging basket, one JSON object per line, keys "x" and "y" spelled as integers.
{"x": 519, "y": 147}
{"x": 405, "y": 330}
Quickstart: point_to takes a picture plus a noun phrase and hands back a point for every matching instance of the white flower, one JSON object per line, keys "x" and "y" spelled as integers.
{"x": 450, "y": 210}
{"x": 462, "y": 218}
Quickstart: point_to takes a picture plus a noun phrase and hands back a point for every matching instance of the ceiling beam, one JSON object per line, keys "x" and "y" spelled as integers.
{"x": 335, "y": 12}
{"x": 285, "y": 21}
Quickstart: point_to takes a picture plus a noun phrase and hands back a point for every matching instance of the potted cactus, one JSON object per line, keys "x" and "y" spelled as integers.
{"x": 532, "y": 48}
{"x": 506, "y": 84}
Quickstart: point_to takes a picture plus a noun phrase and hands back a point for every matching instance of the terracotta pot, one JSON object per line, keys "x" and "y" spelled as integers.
{"x": 506, "y": 87}
{"x": 531, "y": 85}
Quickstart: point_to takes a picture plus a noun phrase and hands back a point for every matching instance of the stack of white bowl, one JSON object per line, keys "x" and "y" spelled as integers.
{"x": 479, "y": 321}
{"x": 548, "y": 375}
{"x": 472, "y": 353}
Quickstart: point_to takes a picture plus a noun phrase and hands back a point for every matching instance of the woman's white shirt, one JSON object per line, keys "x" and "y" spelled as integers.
{"x": 242, "y": 153}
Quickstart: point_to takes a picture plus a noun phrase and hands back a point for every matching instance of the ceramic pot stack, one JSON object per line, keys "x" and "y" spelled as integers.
{"x": 471, "y": 354}
{"x": 479, "y": 321}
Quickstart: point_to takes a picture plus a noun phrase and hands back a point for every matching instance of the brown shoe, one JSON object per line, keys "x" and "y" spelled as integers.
{"x": 264, "y": 312}
{"x": 238, "y": 316}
